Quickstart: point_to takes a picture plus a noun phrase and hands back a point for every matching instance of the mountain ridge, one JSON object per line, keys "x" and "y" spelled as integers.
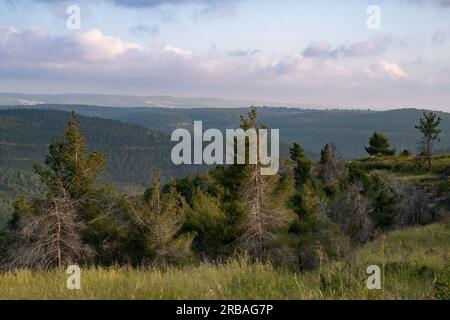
{"x": 348, "y": 129}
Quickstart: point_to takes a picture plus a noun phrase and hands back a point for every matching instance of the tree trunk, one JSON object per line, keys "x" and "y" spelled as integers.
{"x": 58, "y": 240}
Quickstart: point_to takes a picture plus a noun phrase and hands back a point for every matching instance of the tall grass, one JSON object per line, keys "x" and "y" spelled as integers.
{"x": 413, "y": 261}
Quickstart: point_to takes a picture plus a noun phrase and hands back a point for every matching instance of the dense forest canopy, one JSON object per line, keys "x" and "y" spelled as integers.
{"x": 349, "y": 129}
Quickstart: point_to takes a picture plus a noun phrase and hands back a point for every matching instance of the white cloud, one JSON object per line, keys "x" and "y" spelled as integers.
{"x": 95, "y": 46}
{"x": 384, "y": 69}
{"x": 37, "y": 46}
{"x": 178, "y": 51}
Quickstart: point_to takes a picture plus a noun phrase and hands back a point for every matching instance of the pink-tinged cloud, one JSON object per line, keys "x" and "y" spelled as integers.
{"x": 385, "y": 69}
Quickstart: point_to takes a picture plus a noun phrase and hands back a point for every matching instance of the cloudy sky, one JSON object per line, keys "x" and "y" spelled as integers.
{"x": 288, "y": 51}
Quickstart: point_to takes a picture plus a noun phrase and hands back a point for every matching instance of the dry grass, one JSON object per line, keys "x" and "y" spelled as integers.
{"x": 413, "y": 262}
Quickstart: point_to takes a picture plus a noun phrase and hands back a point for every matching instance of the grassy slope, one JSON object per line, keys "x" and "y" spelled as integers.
{"x": 412, "y": 260}
{"x": 415, "y": 171}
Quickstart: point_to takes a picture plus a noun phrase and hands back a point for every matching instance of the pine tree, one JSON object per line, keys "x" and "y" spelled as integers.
{"x": 379, "y": 145}
{"x": 302, "y": 170}
{"x": 429, "y": 127}
{"x": 157, "y": 219}
{"x": 310, "y": 229}
{"x": 70, "y": 165}
{"x": 50, "y": 235}
{"x": 303, "y": 182}
{"x": 52, "y": 232}
{"x": 330, "y": 167}
{"x": 262, "y": 220}
{"x": 207, "y": 219}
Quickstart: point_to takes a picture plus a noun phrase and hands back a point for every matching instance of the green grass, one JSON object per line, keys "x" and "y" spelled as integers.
{"x": 414, "y": 263}
{"x": 411, "y": 170}
{"x": 411, "y": 165}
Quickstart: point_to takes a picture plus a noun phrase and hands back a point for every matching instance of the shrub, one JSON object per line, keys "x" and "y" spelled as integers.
{"x": 406, "y": 153}
{"x": 442, "y": 285}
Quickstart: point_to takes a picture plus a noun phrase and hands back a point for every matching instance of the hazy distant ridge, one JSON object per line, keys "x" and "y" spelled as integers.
{"x": 125, "y": 100}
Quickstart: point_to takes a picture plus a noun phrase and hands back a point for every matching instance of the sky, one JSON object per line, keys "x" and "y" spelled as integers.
{"x": 335, "y": 53}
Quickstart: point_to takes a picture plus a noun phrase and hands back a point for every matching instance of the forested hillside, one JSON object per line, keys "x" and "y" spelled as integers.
{"x": 137, "y": 148}
{"x": 348, "y": 129}
{"x": 14, "y": 183}
{"x": 133, "y": 151}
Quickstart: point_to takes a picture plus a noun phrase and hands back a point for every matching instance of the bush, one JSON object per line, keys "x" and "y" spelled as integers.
{"x": 442, "y": 285}
{"x": 406, "y": 153}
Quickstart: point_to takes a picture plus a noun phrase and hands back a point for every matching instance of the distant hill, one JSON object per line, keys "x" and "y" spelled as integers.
{"x": 124, "y": 100}
{"x": 133, "y": 151}
{"x": 348, "y": 129}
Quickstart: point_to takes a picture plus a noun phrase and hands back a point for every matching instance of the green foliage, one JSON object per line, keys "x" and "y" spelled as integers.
{"x": 406, "y": 153}
{"x": 383, "y": 211}
{"x": 429, "y": 128}
{"x": 304, "y": 201}
{"x": 69, "y": 176}
{"x": 313, "y": 236}
{"x": 305, "y": 205}
{"x": 302, "y": 170}
{"x": 68, "y": 164}
{"x": 379, "y": 145}
{"x": 208, "y": 221}
{"x": 325, "y": 154}
{"x": 250, "y": 121}
{"x": 442, "y": 285}
{"x": 15, "y": 183}
{"x": 330, "y": 166}
{"x": 189, "y": 185}
{"x": 22, "y": 209}
{"x": 227, "y": 183}
{"x": 156, "y": 220}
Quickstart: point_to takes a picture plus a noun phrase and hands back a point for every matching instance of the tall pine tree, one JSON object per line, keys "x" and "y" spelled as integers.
{"x": 52, "y": 232}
